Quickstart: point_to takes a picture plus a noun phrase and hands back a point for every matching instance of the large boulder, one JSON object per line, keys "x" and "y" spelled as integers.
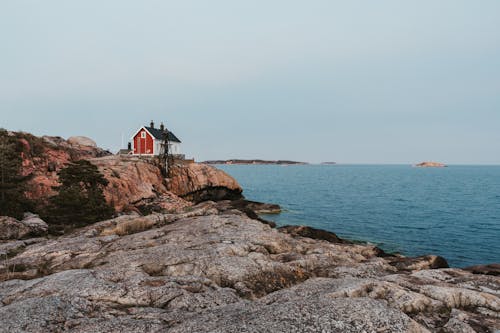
{"x": 30, "y": 226}
{"x": 35, "y": 223}
{"x": 82, "y": 141}
{"x": 10, "y": 228}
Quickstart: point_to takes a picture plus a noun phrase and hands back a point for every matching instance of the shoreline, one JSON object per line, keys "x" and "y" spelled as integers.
{"x": 406, "y": 221}
{"x": 492, "y": 267}
{"x": 367, "y": 242}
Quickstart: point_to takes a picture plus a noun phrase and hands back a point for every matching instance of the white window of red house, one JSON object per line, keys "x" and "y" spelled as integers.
{"x": 143, "y": 135}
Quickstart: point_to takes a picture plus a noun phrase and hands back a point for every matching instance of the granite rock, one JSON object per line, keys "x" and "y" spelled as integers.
{"x": 214, "y": 270}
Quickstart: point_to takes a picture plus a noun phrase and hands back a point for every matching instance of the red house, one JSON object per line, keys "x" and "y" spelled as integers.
{"x": 149, "y": 141}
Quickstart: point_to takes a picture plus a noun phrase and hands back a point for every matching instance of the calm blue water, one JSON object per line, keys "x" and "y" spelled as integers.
{"x": 453, "y": 212}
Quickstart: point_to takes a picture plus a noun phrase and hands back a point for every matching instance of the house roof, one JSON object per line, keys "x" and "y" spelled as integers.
{"x": 124, "y": 151}
{"x": 158, "y": 134}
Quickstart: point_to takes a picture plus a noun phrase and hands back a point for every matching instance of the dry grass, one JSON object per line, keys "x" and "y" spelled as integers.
{"x": 129, "y": 227}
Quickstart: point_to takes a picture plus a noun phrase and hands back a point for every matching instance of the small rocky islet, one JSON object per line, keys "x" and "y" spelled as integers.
{"x": 430, "y": 165}
{"x": 202, "y": 260}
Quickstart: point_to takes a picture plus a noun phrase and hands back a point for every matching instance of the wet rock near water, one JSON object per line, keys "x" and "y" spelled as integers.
{"x": 257, "y": 207}
{"x": 310, "y": 232}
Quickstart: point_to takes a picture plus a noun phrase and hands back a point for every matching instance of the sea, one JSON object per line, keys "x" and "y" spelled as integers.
{"x": 453, "y": 212}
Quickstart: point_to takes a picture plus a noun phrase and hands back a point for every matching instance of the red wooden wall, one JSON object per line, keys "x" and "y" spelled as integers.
{"x": 143, "y": 145}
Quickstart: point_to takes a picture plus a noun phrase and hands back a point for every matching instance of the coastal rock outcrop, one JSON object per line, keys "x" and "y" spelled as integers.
{"x": 214, "y": 270}
{"x": 136, "y": 183}
{"x": 200, "y": 182}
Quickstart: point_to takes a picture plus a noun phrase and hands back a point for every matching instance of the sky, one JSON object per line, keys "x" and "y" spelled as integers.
{"x": 384, "y": 81}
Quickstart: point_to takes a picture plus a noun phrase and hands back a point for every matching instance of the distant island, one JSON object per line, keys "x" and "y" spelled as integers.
{"x": 328, "y": 163}
{"x": 259, "y": 162}
{"x": 430, "y": 165}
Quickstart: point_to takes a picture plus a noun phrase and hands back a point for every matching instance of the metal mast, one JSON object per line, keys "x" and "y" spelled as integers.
{"x": 164, "y": 156}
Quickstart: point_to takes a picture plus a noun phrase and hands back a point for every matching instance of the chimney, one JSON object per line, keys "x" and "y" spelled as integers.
{"x": 152, "y": 125}
{"x": 162, "y": 127}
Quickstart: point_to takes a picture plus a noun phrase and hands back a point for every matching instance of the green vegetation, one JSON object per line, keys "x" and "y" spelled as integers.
{"x": 12, "y": 185}
{"x": 80, "y": 200}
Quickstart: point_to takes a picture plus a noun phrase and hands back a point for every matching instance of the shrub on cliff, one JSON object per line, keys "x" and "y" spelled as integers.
{"x": 12, "y": 184}
{"x": 80, "y": 200}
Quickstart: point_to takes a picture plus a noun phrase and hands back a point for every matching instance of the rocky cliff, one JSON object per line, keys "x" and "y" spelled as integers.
{"x": 209, "y": 269}
{"x": 134, "y": 183}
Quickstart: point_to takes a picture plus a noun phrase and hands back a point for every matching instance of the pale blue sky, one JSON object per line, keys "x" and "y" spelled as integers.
{"x": 348, "y": 81}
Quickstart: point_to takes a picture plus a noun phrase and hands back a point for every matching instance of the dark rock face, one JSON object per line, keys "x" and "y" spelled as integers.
{"x": 309, "y": 232}
{"x": 215, "y": 193}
